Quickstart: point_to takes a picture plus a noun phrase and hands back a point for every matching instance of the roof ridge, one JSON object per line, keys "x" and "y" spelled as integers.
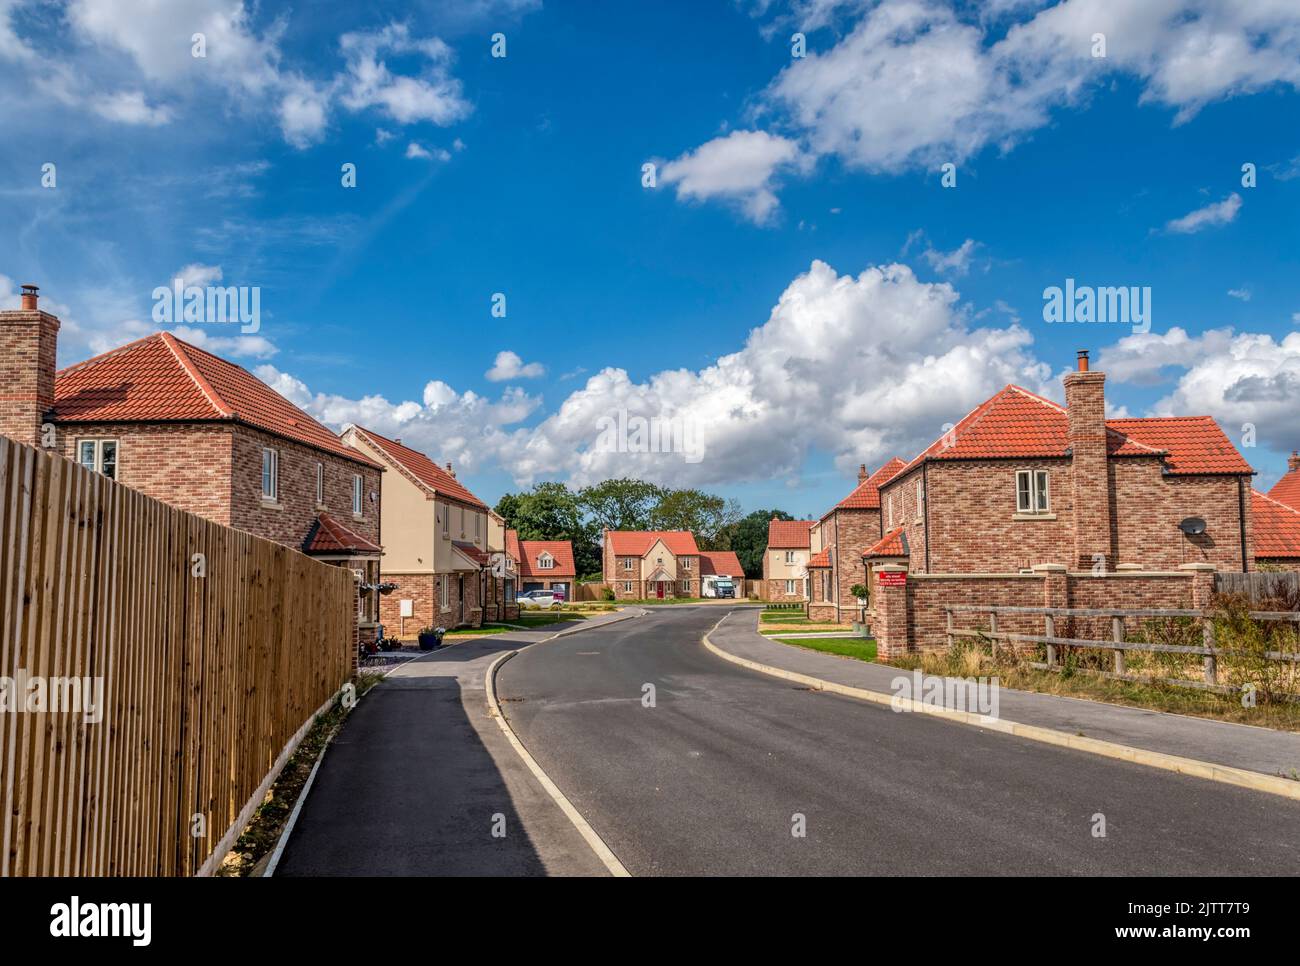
{"x": 187, "y": 365}
{"x": 1035, "y": 396}
{"x": 104, "y": 356}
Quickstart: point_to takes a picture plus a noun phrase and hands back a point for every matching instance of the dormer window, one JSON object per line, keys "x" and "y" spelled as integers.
{"x": 545, "y": 561}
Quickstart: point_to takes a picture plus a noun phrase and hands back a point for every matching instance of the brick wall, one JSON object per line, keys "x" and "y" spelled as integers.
{"x": 853, "y": 532}
{"x": 1147, "y": 506}
{"x": 184, "y": 464}
{"x": 776, "y": 593}
{"x": 424, "y": 590}
{"x": 28, "y": 343}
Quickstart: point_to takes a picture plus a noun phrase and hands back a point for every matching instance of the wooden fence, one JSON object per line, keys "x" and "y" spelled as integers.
{"x": 207, "y": 681}
{"x": 1260, "y": 585}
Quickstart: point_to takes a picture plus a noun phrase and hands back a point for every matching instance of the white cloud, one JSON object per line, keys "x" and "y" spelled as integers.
{"x": 956, "y": 262}
{"x": 1214, "y": 214}
{"x": 416, "y": 150}
{"x": 130, "y": 107}
{"x": 197, "y": 274}
{"x": 509, "y": 365}
{"x": 433, "y": 96}
{"x": 1240, "y": 293}
{"x": 238, "y": 345}
{"x": 738, "y": 167}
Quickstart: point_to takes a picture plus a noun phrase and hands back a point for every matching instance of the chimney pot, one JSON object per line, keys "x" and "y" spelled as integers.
{"x": 1293, "y": 461}
{"x": 862, "y": 472}
{"x": 450, "y": 471}
{"x": 1083, "y": 360}
{"x": 31, "y": 295}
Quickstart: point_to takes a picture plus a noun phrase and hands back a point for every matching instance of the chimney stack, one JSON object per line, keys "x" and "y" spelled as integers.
{"x": 1085, "y": 405}
{"x": 1293, "y": 461}
{"x": 862, "y": 473}
{"x": 450, "y": 471}
{"x": 28, "y": 348}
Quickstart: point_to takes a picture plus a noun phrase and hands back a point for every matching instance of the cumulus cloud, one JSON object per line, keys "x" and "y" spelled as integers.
{"x": 739, "y": 168}
{"x": 1218, "y": 213}
{"x": 917, "y": 83}
{"x": 509, "y": 365}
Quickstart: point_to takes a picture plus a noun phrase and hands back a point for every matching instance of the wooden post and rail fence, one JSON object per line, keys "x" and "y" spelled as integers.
{"x": 214, "y": 650}
{"x": 1207, "y": 650}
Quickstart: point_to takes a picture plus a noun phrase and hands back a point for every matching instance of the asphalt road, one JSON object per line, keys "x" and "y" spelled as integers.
{"x": 712, "y": 779}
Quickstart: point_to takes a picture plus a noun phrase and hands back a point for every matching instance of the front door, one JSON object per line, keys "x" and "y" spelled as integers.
{"x": 659, "y": 589}
{"x": 462, "y": 597}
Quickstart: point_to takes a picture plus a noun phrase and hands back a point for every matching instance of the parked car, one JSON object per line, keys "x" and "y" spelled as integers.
{"x": 540, "y": 598}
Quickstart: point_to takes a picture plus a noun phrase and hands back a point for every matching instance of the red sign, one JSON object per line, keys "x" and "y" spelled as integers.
{"x": 892, "y": 578}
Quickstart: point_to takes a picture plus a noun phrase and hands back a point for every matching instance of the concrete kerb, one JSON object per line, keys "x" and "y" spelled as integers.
{"x": 1192, "y": 767}
{"x": 583, "y": 827}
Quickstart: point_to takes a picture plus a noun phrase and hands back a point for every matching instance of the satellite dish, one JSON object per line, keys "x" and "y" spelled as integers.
{"x": 1192, "y": 526}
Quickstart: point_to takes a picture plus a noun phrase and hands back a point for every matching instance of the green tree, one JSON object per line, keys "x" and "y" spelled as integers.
{"x": 748, "y": 538}
{"x": 621, "y": 504}
{"x": 706, "y": 515}
{"x": 550, "y": 511}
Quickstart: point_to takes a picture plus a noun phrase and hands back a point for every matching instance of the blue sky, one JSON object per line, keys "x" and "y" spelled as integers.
{"x": 798, "y": 282}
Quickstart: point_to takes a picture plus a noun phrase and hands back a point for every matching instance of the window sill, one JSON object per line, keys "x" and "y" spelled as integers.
{"x": 359, "y": 517}
{"x": 271, "y": 504}
{"x": 321, "y": 508}
{"x": 1034, "y": 516}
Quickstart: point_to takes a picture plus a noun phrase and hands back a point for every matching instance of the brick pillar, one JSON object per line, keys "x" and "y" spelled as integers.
{"x": 892, "y": 613}
{"x": 28, "y": 347}
{"x": 1085, "y": 404}
{"x": 1202, "y": 576}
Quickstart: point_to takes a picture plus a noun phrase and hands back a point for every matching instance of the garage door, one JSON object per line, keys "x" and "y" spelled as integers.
{"x": 534, "y": 585}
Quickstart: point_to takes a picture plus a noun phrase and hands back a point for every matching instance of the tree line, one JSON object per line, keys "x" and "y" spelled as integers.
{"x": 552, "y": 511}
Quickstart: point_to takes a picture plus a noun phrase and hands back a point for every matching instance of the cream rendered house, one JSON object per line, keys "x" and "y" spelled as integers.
{"x": 785, "y": 561}
{"x": 440, "y": 550}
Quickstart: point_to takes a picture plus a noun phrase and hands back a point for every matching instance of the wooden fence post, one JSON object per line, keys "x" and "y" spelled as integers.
{"x": 1211, "y": 665}
{"x": 1117, "y": 634}
{"x": 993, "y": 631}
{"x": 950, "y": 628}
{"x": 1050, "y": 621}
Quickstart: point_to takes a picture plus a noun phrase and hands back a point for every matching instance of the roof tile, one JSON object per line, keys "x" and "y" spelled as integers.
{"x": 789, "y": 534}
{"x": 422, "y": 468}
{"x": 1276, "y": 527}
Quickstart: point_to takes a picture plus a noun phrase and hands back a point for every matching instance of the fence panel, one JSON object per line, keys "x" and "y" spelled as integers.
{"x": 205, "y": 679}
{"x": 1260, "y": 584}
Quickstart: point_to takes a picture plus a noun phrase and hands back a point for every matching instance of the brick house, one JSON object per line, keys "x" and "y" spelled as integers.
{"x": 1276, "y": 532}
{"x": 500, "y": 601}
{"x": 785, "y": 561}
{"x": 1022, "y": 481}
{"x": 645, "y": 564}
{"x": 435, "y": 536}
{"x": 837, "y": 542}
{"x": 544, "y": 564}
{"x": 1287, "y": 489}
{"x": 200, "y": 433}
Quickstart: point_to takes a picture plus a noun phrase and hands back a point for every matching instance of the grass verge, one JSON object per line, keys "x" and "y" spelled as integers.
{"x": 261, "y": 834}
{"x": 860, "y": 648}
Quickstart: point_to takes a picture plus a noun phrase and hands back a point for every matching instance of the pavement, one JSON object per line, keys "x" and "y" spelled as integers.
{"x": 420, "y": 776}
{"x": 730, "y": 771}
{"x": 1260, "y": 750}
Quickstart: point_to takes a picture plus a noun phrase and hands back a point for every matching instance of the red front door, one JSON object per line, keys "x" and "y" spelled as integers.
{"x": 659, "y": 586}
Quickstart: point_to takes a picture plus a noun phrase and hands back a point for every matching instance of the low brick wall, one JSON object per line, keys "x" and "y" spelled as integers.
{"x": 911, "y": 616}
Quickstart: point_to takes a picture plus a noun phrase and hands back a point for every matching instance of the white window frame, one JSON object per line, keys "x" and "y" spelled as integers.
{"x": 789, "y": 557}
{"x": 545, "y": 561}
{"x": 627, "y": 586}
{"x": 358, "y": 495}
{"x": 890, "y": 502}
{"x": 686, "y": 585}
{"x": 97, "y": 458}
{"x": 1033, "y": 492}
{"x": 271, "y": 474}
{"x": 686, "y": 563}
{"x": 791, "y": 587}
{"x": 478, "y": 526}
{"x": 320, "y": 484}
{"x": 627, "y": 563}
{"x": 444, "y": 592}
{"x": 920, "y": 501}
{"x": 462, "y": 521}
{"x": 446, "y": 519}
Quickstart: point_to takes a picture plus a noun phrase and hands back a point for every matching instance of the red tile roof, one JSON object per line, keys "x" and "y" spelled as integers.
{"x": 720, "y": 562}
{"x": 480, "y": 557}
{"x": 820, "y": 559}
{"x": 561, "y": 550}
{"x": 789, "y": 534}
{"x": 425, "y": 470}
{"x": 892, "y": 544}
{"x": 1276, "y": 528}
{"x": 327, "y": 535}
{"x": 1287, "y": 489}
{"x": 637, "y": 543}
{"x": 512, "y": 545}
{"x": 1018, "y": 423}
{"x": 866, "y": 496}
{"x": 161, "y": 379}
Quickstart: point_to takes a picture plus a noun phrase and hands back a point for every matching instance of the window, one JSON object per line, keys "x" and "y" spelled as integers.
{"x": 446, "y": 519}
{"x": 270, "y": 475}
{"x": 627, "y": 563}
{"x": 545, "y": 561}
{"x": 790, "y": 587}
{"x": 99, "y": 455}
{"x": 920, "y": 501}
{"x": 627, "y": 586}
{"x": 444, "y": 589}
{"x": 478, "y": 525}
{"x": 357, "y": 486}
{"x": 686, "y": 585}
{"x": 509, "y": 593}
{"x": 891, "y": 511}
{"x": 1032, "y": 491}
{"x": 686, "y": 563}
{"x": 789, "y": 556}
{"x": 320, "y": 484}
{"x": 462, "y": 521}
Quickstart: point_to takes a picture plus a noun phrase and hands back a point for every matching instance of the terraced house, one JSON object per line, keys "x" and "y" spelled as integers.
{"x": 200, "y": 433}
{"x": 785, "y": 561}
{"x": 838, "y": 541}
{"x": 651, "y": 564}
{"x": 437, "y": 549}
{"x": 1022, "y": 481}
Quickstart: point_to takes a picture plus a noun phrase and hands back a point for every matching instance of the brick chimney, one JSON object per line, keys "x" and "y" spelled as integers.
{"x": 450, "y": 471}
{"x": 1293, "y": 461}
{"x": 862, "y": 473}
{"x": 1085, "y": 404}
{"x": 28, "y": 346}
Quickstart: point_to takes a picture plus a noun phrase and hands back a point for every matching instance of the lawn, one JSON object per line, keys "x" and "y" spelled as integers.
{"x": 544, "y": 618}
{"x": 861, "y": 648}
